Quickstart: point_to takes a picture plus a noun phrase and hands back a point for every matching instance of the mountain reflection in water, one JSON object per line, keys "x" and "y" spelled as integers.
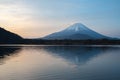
{"x": 6, "y": 52}
{"x": 60, "y": 63}
{"x": 76, "y": 54}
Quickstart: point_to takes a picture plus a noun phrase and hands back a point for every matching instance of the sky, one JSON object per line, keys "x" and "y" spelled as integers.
{"x": 38, "y": 18}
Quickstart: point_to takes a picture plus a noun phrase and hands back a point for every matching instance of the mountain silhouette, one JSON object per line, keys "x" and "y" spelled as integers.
{"x": 76, "y": 31}
{"x": 7, "y": 37}
{"x": 77, "y": 34}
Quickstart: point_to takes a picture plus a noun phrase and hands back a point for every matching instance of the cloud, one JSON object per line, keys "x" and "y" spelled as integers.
{"x": 27, "y": 17}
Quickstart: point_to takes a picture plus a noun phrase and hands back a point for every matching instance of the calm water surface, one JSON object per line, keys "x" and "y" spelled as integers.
{"x": 60, "y": 62}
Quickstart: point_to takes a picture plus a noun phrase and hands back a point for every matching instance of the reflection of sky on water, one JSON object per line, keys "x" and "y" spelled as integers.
{"x": 7, "y": 52}
{"x": 60, "y": 63}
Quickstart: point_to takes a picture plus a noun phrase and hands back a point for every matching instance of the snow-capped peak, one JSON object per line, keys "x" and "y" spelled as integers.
{"x": 76, "y": 31}
{"x": 77, "y": 27}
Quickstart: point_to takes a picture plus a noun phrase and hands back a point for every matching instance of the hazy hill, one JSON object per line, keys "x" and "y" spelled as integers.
{"x": 7, "y": 37}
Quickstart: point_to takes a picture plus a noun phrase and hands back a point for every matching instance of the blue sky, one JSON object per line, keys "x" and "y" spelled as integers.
{"x": 37, "y": 18}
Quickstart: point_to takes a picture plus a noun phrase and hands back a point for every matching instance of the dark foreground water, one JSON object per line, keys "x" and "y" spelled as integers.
{"x": 60, "y": 63}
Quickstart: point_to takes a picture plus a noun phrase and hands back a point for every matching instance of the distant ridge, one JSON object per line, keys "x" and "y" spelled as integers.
{"x": 76, "y": 31}
{"x": 73, "y": 35}
{"x": 7, "y": 37}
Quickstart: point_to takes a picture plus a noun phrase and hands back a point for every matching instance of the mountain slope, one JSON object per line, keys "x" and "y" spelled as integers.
{"x": 7, "y": 37}
{"x": 76, "y": 31}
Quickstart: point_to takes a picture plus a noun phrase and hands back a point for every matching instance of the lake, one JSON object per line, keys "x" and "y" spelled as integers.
{"x": 35, "y": 62}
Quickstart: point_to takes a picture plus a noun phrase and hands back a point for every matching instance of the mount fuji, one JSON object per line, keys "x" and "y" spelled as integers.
{"x": 76, "y": 31}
